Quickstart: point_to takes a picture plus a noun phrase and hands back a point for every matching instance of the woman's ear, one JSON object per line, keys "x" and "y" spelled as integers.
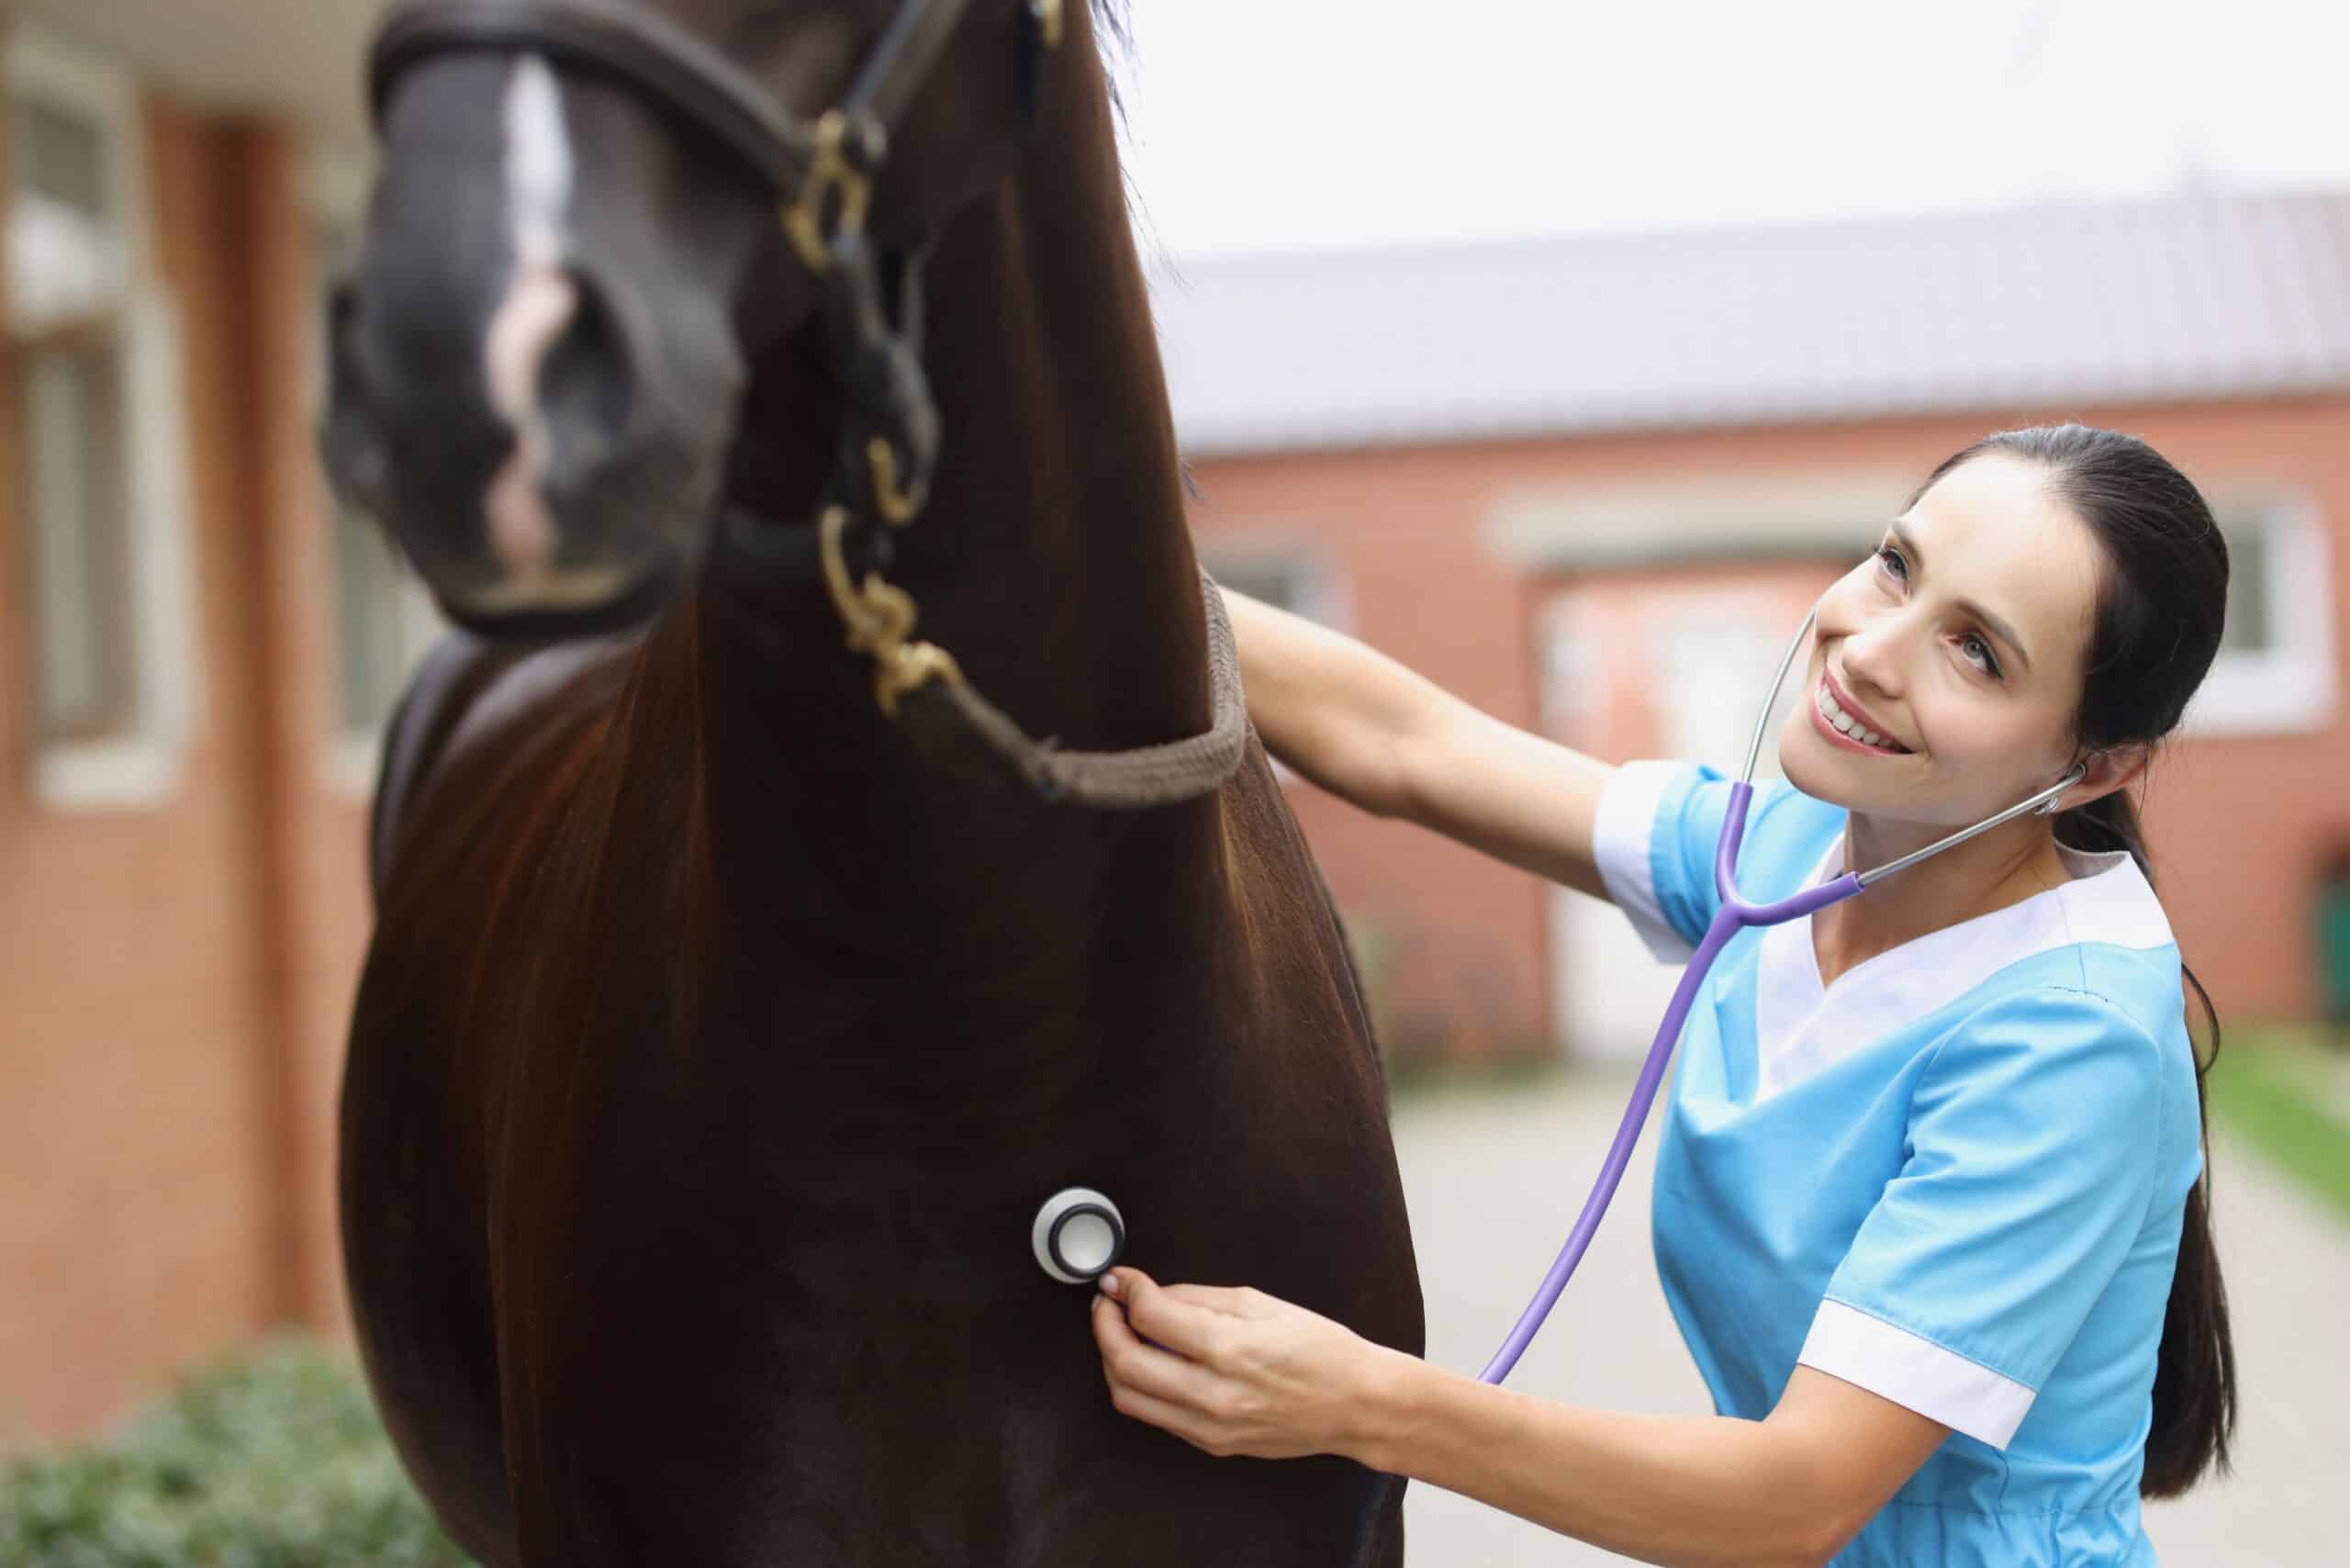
{"x": 2115, "y": 767}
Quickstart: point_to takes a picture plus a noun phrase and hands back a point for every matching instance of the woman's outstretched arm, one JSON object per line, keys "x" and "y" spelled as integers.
{"x": 1376, "y": 734}
{"x": 1240, "y": 1373}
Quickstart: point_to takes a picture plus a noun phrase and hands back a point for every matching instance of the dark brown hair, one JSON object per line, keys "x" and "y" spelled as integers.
{"x": 2160, "y": 608}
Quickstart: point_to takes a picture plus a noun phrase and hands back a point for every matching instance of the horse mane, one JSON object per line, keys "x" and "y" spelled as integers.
{"x": 1113, "y": 36}
{"x": 1115, "y": 22}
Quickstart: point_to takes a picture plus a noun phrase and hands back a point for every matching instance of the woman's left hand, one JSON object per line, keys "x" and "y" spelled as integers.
{"x": 1236, "y": 1371}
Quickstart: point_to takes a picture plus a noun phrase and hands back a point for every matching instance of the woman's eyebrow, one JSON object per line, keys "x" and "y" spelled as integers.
{"x": 1991, "y": 623}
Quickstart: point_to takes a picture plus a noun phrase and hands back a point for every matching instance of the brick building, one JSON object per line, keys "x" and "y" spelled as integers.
{"x": 1592, "y": 484}
{"x": 194, "y": 656}
{"x": 1580, "y": 483}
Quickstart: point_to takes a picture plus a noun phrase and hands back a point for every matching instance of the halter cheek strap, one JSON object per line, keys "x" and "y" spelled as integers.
{"x": 668, "y": 65}
{"x": 654, "y": 57}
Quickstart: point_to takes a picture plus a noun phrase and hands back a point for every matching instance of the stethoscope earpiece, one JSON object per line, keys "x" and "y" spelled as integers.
{"x": 2055, "y": 802}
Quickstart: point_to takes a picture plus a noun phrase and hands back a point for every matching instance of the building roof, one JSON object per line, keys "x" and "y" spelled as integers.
{"x": 2182, "y": 299}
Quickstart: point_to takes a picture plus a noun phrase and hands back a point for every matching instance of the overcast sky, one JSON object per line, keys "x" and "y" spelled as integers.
{"x": 1284, "y": 124}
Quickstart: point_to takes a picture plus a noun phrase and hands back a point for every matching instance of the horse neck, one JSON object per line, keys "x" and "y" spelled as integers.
{"x": 1063, "y": 553}
{"x": 1053, "y": 562}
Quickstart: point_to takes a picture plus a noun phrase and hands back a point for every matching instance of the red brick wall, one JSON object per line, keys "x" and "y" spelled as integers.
{"x": 316, "y": 898}
{"x": 173, "y": 981}
{"x": 2237, "y": 823}
{"x": 1452, "y": 941}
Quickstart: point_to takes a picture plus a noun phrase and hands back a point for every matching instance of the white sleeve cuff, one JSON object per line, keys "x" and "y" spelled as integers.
{"x": 1623, "y": 840}
{"x": 1916, "y": 1374}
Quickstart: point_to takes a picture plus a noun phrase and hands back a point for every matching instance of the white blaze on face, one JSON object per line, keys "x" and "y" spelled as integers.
{"x": 540, "y": 303}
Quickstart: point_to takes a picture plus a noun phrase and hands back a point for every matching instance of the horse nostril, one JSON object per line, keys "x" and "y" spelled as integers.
{"x": 587, "y": 385}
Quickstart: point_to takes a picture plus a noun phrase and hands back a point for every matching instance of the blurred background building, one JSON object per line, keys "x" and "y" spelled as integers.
{"x": 197, "y": 655}
{"x": 1592, "y": 485}
{"x": 1589, "y": 481}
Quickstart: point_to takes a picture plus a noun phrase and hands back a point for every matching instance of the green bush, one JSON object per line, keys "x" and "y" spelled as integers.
{"x": 274, "y": 1459}
{"x": 2276, "y": 1089}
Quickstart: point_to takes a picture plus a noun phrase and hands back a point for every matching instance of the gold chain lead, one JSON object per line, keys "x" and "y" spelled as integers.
{"x": 829, "y": 173}
{"x": 881, "y": 617}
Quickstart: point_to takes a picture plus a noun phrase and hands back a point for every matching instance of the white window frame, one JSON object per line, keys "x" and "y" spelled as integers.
{"x": 334, "y": 186}
{"x": 142, "y": 768}
{"x": 2291, "y": 687}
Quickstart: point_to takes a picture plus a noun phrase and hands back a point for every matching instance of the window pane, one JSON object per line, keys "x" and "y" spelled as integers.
{"x": 73, "y": 498}
{"x": 65, "y": 247}
{"x": 65, "y": 158}
{"x": 2250, "y": 562}
{"x": 1266, "y": 579}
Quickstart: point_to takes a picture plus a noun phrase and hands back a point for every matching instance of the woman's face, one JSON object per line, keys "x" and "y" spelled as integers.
{"x": 1954, "y": 655}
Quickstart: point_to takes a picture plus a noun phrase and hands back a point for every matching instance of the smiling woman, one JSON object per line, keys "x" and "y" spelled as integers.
{"x": 1928, "y": 1203}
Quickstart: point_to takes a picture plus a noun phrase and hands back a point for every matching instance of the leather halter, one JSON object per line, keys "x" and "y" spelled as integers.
{"x": 822, "y": 176}
{"x": 666, "y": 64}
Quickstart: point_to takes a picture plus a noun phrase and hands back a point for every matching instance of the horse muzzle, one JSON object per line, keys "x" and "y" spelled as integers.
{"x": 547, "y": 471}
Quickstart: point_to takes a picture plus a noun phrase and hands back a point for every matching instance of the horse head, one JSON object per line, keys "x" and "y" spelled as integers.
{"x": 573, "y": 259}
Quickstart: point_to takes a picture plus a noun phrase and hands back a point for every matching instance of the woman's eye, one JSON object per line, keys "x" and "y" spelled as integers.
{"x": 1890, "y": 561}
{"x": 1978, "y": 653}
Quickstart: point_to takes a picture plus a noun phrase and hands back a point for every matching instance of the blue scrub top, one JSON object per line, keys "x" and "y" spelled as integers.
{"x": 1955, "y": 1178}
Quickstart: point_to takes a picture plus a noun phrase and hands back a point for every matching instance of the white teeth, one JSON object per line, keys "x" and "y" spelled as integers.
{"x": 1846, "y": 724}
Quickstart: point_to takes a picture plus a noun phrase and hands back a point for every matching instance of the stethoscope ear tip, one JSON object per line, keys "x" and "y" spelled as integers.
{"x": 2055, "y": 802}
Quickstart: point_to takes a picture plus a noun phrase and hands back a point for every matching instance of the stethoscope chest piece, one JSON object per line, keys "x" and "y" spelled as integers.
{"x": 1078, "y": 1237}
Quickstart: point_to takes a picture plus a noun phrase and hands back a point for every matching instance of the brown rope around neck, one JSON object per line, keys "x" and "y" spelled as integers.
{"x": 1146, "y": 776}
{"x": 881, "y": 617}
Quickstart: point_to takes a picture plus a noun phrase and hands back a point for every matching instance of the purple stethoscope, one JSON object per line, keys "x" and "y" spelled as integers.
{"x": 1078, "y": 1234}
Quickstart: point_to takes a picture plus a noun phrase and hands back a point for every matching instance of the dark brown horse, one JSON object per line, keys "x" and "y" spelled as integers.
{"x": 723, "y": 1033}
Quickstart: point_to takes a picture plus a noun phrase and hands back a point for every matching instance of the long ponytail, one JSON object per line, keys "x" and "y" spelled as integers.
{"x": 2195, "y": 1370}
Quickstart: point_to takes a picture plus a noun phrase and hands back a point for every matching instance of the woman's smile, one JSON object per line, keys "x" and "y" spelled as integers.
{"x": 1843, "y": 722}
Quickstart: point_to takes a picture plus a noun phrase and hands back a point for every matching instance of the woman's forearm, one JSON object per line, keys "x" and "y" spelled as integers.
{"x": 1660, "y": 1489}
{"x": 1236, "y": 1371}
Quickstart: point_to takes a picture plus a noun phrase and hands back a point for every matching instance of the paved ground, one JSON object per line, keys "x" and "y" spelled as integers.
{"x": 1495, "y": 1178}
